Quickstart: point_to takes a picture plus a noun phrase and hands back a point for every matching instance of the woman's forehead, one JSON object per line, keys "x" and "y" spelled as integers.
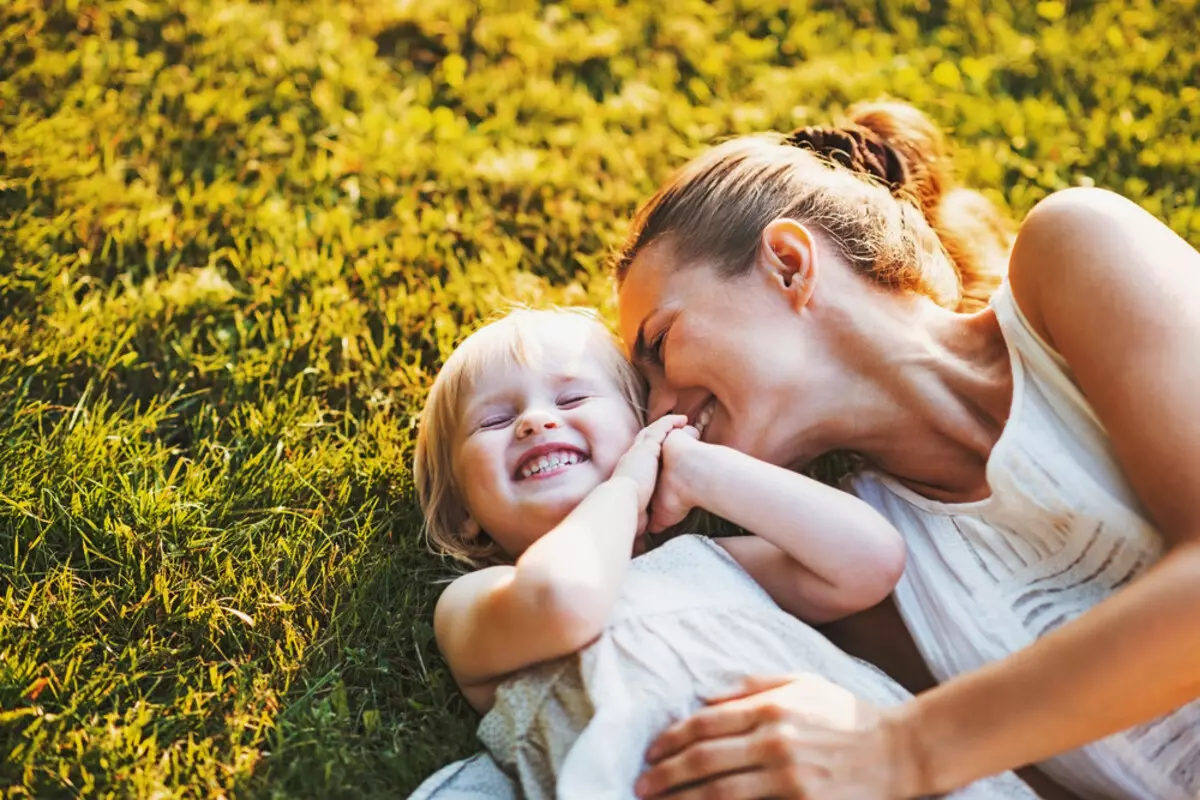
{"x": 643, "y": 292}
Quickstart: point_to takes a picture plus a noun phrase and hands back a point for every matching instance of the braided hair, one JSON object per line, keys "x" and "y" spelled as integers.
{"x": 856, "y": 148}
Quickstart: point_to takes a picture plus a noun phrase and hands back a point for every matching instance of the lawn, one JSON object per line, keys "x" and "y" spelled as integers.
{"x": 237, "y": 239}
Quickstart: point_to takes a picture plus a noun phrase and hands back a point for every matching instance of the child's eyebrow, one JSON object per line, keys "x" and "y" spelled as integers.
{"x": 567, "y": 378}
{"x": 480, "y": 403}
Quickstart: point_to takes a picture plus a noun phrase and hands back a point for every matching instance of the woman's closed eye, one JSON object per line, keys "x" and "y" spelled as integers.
{"x": 657, "y": 348}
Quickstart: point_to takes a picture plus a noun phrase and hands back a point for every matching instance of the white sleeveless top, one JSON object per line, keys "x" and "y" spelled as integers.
{"x": 1061, "y": 531}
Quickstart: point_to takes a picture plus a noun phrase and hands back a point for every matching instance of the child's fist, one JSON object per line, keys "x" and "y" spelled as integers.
{"x": 641, "y": 460}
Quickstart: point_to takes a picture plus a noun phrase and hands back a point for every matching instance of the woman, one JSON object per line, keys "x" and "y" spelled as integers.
{"x": 831, "y": 291}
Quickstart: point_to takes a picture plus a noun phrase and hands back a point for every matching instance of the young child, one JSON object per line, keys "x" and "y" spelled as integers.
{"x": 532, "y": 465}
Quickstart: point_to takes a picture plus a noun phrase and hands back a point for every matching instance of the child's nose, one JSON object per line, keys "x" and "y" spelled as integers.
{"x": 536, "y": 421}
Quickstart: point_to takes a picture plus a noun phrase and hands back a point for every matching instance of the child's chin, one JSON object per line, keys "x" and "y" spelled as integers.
{"x": 563, "y": 500}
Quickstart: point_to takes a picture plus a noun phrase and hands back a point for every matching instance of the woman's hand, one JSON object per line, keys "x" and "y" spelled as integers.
{"x": 674, "y": 496}
{"x": 796, "y": 737}
{"x": 641, "y": 461}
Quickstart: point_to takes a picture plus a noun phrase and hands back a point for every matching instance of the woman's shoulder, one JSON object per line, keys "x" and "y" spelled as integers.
{"x": 1064, "y": 249}
{"x": 1078, "y": 216}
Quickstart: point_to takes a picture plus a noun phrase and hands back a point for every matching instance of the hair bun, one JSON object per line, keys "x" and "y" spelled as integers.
{"x": 856, "y": 148}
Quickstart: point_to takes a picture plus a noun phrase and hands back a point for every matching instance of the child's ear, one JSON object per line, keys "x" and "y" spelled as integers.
{"x": 480, "y": 547}
{"x": 471, "y": 529}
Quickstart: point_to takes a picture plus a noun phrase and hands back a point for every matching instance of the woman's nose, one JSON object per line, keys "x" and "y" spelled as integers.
{"x": 661, "y": 401}
{"x": 535, "y": 421}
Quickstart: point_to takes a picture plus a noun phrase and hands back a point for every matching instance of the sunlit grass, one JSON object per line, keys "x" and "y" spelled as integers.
{"x": 236, "y": 239}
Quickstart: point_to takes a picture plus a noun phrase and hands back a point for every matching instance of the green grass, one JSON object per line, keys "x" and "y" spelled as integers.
{"x": 237, "y": 238}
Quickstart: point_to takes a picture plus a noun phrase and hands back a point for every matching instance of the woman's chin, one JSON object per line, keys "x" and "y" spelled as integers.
{"x": 762, "y": 444}
{"x": 734, "y": 439}
{"x": 764, "y": 448}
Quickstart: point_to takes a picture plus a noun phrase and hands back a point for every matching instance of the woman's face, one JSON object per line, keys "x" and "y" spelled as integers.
{"x": 728, "y": 353}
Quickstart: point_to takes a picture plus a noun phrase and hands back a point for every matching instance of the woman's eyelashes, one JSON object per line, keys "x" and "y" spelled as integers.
{"x": 656, "y": 348}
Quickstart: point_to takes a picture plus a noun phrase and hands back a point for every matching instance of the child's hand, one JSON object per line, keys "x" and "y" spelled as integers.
{"x": 675, "y": 495}
{"x": 641, "y": 460}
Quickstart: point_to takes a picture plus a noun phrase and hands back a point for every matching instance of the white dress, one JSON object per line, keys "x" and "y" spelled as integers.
{"x": 689, "y": 623}
{"x": 1061, "y": 531}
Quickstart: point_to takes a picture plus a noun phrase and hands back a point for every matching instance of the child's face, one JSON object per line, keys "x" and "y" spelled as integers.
{"x": 535, "y": 440}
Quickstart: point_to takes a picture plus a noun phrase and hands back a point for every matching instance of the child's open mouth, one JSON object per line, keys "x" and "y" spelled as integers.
{"x": 545, "y": 463}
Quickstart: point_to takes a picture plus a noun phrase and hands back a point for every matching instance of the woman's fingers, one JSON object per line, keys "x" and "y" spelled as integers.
{"x": 751, "y": 685}
{"x": 701, "y": 760}
{"x": 801, "y": 736}
{"x": 713, "y": 722}
{"x": 760, "y": 763}
{"x": 751, "y": 785}
{"x": 805, "y": 694}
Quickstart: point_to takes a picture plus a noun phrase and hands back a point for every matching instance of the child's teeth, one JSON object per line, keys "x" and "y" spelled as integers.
{"x": 550, "y": 461}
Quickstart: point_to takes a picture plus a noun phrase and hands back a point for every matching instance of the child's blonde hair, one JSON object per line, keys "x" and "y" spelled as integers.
{"x": 509, "y": 341}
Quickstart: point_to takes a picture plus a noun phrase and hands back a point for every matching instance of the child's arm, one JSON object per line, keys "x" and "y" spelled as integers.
{"x": 558, "y": 596}
{"x": 821, "y": 553}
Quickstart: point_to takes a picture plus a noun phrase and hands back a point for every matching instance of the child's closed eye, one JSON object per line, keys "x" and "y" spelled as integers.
{"x": 495, "y": 421}
{"x": 572, "y": 400}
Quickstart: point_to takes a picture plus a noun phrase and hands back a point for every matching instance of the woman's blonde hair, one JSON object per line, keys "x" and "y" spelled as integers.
{"x": 881, "y": 188}
{"x": 510, "y": 341}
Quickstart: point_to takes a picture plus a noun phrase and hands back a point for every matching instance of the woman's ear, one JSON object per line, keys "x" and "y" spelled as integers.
{"x": 788, "y": 257}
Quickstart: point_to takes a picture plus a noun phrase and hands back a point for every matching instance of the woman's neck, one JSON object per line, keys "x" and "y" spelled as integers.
{"x": 934, "y": 390}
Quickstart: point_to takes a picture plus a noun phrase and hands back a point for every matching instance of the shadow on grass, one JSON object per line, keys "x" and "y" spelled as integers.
{"x": 374, "y": 710}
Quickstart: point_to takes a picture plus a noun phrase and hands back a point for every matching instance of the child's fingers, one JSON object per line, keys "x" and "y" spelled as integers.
{"x": 657, "y": 431}
{"x": 664, "y": 425}
{"x": 643, "y": 456}
{"x": 687, "y": 430}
